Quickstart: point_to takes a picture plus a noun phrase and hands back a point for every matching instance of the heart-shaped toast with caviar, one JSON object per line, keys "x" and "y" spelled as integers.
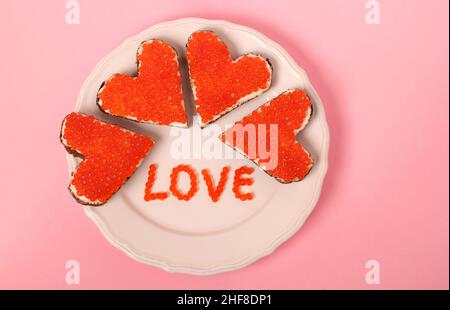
{"x": 219, "y": 83}
{"x": 275, "y": 125}
{"x": 153, "y": 96}
{"x": 110, "y": 155}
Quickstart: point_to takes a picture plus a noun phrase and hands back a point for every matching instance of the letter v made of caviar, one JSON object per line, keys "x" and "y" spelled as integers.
{"x": 291, "y": 112}
{"x": 110, "y": 153}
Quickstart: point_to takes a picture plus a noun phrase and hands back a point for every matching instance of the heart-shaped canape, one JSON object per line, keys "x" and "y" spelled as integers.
{"x": 275, "y": 125}
{"x": 110, "y": 155}
{"x": 219, "y": 83}
{"x": 153, "y": 96}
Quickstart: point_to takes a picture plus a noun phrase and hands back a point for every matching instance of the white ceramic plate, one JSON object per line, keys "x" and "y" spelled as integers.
{"x": 199, "y": 236}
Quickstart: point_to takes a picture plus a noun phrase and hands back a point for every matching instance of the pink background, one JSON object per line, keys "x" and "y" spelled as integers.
{"x": 385, "y": 90}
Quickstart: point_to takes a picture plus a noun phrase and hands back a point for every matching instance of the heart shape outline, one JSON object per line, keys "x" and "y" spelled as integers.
{"x": 154, "y": 95}
{"x": 86, "y": 137}
{"x": 296, "y": 162}
{"x": 218, "y": 97}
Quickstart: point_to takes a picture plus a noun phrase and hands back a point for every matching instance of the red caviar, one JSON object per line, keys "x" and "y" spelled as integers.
{"x": 291, "y": 112}
{"x": 155, "y": 95}
{"x": 240, "y": 180}
{"x": 219, "y": 82}
{"x": 215, "y": 193}
{"x": 111, "y": 155}
{"x": 149, "y": 195}
{"x": 174, "y": 182}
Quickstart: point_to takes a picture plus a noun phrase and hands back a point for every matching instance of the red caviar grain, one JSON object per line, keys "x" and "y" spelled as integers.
{"x": 290, "y": 111}
{"x": 174, "y": 182}
{"x": 240, "y": 180}
{"x": 218, "y": 81}
{"x": 155, "y": 95}
{"x": 217, "y": 192}
{"x": 111, "y": 155}
{"x": 149, "y": 195}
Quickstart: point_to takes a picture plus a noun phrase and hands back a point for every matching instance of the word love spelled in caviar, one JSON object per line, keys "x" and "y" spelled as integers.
{"x": 154, "y": 96}
{"x": 111, "y": 155}
{"x": 242, "y": 177}
{"x": 291, "y": 112}
{"x": 219, "y": 83}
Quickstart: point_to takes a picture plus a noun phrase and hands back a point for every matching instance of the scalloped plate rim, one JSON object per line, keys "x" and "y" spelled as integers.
{"x": 288, "y": 233}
